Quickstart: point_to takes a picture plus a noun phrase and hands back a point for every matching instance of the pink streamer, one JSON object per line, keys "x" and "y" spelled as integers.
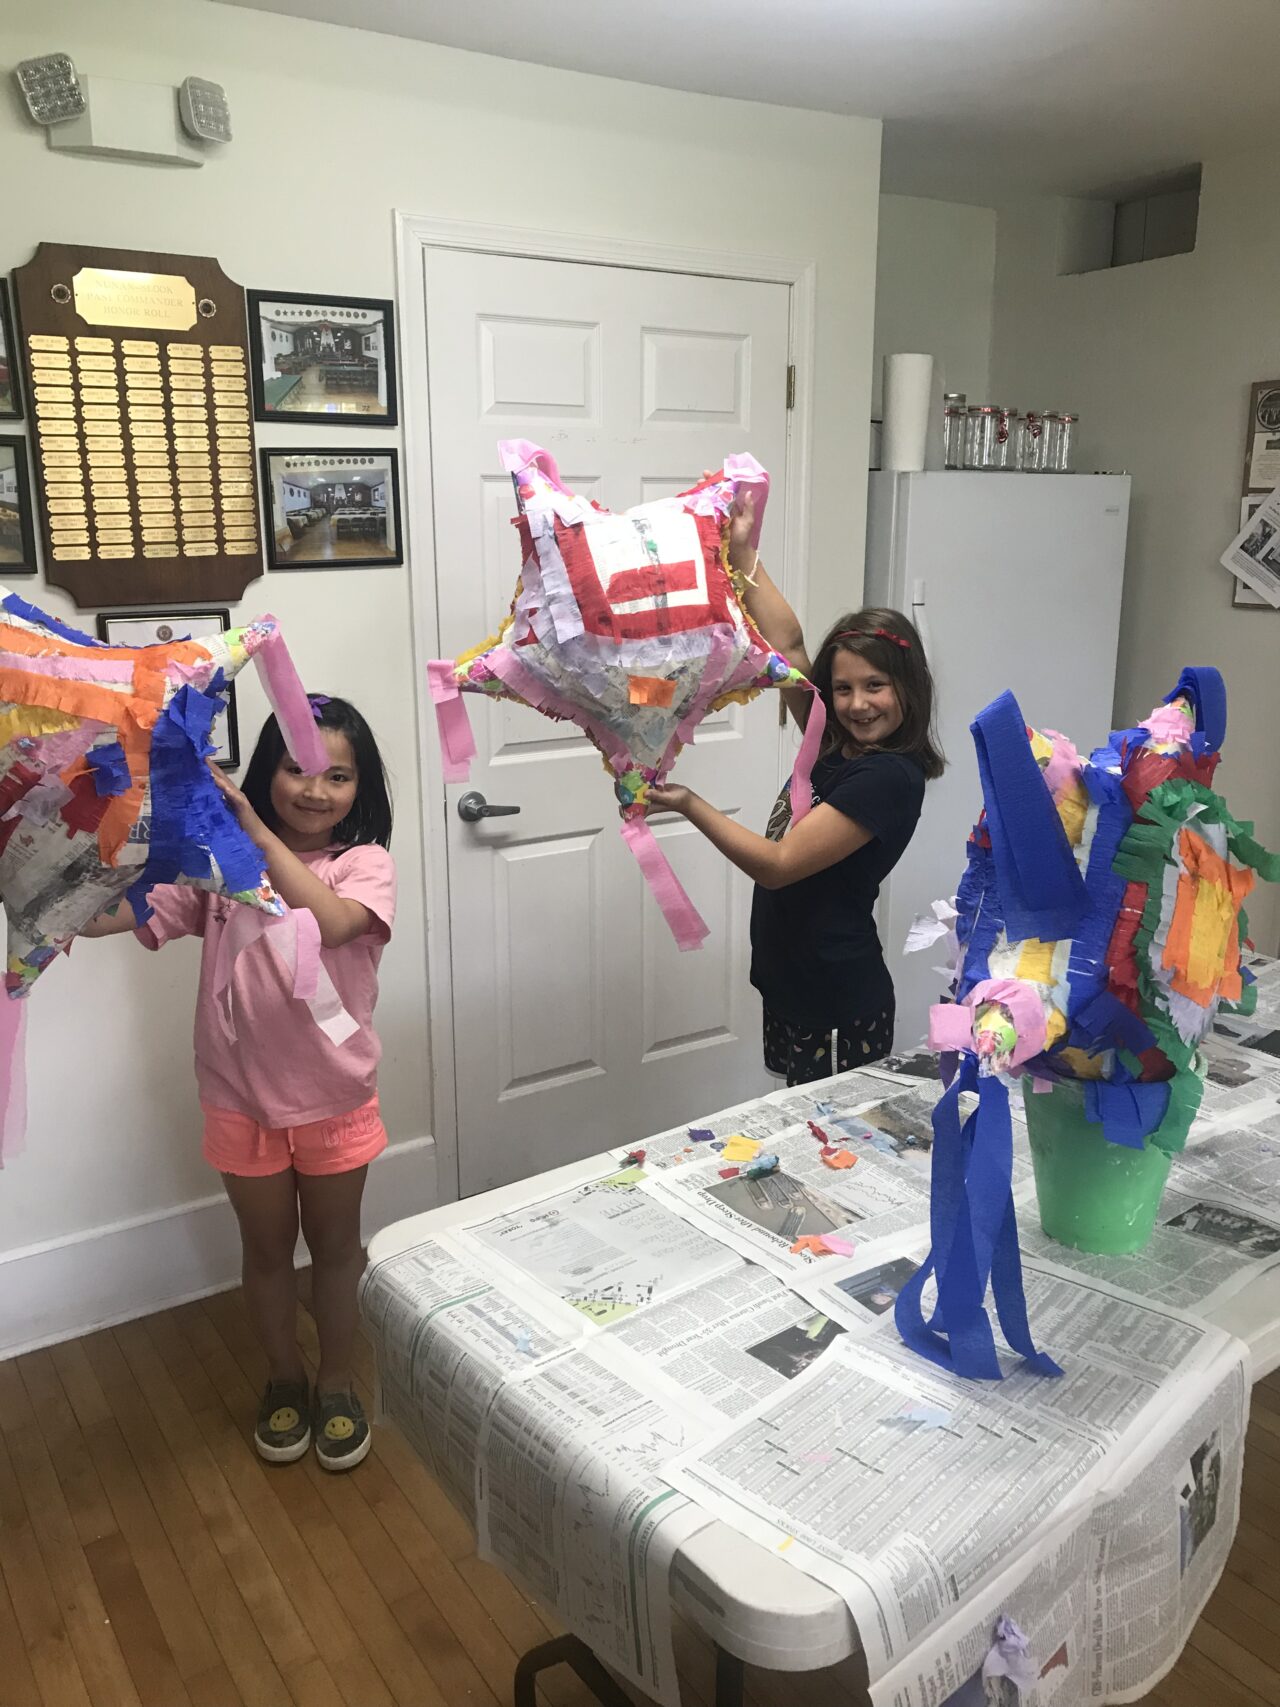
{"x": 678, "y": 910}
{"x": 807, "y": 757}
{"x": 97, "y": 669}
{"x": 748, "y": 476}
{"x": 457, "y": 742}
{"x": 520, "y": 454}
{"x": 292, "y": 708}
{"x": 13, "y": 1075}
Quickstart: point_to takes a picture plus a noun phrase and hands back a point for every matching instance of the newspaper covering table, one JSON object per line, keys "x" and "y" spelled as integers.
{"x": 599, "y": 1372}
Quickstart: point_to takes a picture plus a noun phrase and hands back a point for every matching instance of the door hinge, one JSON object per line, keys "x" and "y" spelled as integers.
{"x": 791, "y": 387}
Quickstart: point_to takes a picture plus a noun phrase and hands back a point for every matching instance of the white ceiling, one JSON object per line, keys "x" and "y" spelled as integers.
{"x": 978, "y": 96}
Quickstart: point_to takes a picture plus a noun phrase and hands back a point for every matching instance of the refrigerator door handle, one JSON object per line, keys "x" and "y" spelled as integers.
{"x": 919, "y": 613}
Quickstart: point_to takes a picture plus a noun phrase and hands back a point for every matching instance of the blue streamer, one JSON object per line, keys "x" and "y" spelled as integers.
{"x": 1205, "y": 688}
{"x": 110, "y": 768}
{"x": 1128, "y": 1112}
{"x": 1042, "y": 893}
{"x": 974, "y": 1235}
{"x": 29, "y": 613}
{"x": 190, "y": 821}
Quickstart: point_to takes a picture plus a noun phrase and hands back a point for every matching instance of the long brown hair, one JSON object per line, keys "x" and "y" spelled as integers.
{"x": 889, "y": 642}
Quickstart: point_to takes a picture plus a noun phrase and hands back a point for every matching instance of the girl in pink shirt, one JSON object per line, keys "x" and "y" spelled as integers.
{"x": 291, "y": 1115}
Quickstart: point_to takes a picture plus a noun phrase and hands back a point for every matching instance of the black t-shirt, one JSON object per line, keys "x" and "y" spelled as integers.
{"x": 815, "y": 955}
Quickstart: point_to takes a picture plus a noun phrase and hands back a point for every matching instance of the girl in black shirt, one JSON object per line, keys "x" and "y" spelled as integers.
{"x": 815, "y": 956}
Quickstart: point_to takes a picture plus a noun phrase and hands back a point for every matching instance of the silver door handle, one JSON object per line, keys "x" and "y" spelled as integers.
{"x": 473, "y": 807}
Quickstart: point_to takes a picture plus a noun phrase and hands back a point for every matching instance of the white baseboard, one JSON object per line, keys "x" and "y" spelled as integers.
{"x": 93, "y": 1279}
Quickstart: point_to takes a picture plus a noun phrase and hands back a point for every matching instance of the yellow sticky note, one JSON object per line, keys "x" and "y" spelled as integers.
{"x": 740, "y": 1149}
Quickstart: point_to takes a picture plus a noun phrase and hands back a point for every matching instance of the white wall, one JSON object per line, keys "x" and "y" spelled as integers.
{"x": 113, "y": 1113}
{"x": 1158, "y": 358}
{"x": 935, "y": 279}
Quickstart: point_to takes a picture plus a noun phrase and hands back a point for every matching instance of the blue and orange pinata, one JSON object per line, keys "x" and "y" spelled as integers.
{"x": 1101, "y": 921}
{"x": 104, "y": 788}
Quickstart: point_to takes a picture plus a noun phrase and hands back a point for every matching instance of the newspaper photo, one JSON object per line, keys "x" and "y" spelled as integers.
{"x": 867, "y": 1197}
{"x": 570, "y": 1503}
{"x": 1254, "y": 554}
{"x": 607, "y": 1248}
{"x": 853, "y": 1471}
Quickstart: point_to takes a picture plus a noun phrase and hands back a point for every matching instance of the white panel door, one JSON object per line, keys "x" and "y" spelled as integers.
{"x": 577, "y": 1021}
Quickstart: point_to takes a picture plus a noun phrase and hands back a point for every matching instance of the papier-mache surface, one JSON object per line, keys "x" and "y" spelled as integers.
{"x": 631, "y": 626}
{"x": 104, "y": 786}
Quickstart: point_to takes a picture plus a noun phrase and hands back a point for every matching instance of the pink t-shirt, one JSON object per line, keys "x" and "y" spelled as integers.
{"x": 282, "y": 1070}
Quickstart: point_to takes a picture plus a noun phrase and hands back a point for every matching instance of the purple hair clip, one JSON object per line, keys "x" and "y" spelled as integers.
{"x": 316, "y": 701}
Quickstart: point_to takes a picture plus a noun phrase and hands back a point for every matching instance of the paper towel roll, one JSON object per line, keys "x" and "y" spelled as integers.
{"x": 908, "y": 396}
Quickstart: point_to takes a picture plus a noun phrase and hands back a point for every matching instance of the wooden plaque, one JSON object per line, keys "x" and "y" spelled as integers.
{"x": 138, "y": 371}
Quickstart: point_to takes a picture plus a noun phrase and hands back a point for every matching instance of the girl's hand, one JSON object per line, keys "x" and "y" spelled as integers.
{"x": 672, "y": 797}
{"x": 248, "y": 819}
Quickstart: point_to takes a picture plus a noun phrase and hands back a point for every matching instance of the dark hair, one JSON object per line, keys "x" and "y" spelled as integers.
{"x": 369, "y": 819}
{"x": 878, "y": 636}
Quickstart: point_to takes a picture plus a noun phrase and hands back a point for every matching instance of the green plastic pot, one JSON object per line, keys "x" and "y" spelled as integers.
{"x": 1093, "y": 1195}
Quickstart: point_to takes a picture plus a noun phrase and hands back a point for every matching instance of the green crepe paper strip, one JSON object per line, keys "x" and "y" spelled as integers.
{"x": 1142, "y": 857}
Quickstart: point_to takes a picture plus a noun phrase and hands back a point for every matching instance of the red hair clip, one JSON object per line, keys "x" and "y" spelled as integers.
{"x": 874, "y": 633}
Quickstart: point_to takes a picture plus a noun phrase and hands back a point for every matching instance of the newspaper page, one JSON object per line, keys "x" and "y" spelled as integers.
{"x": 761, "y": 1119}
{"x": 1238, "y": 1085}
{"x": 1163, "y": 1532}
{"x": 853, "y": 1470}
{"x": 1254, "y": 554}
{"x": 731, "y": 1341}
{"x": 570, "y": 1503}
{"x": 606, "y": 1248}
{"x": 446, "y": 1339}
{"x": 1046, "y": 1593}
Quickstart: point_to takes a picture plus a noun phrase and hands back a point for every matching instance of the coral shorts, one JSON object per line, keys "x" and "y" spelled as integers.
{"x": 235, "y": 1144}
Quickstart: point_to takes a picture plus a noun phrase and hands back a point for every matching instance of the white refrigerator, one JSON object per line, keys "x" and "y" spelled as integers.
{"x": 1014, "y": 581}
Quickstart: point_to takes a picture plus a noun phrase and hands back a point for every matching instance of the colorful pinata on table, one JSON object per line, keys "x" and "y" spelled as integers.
{"x": 632, "y": 627}
{"x": 105, "y": 790}
{"x": 1101, "y": 922}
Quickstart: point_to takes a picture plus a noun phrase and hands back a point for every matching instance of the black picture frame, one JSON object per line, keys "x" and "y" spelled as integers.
{"x": 17, "y": 527}
{"x": 10, "y": 378}
{"x": 155, "y": 627}
{"x": 349, "y": 314}
{"x": 286, "y": 528}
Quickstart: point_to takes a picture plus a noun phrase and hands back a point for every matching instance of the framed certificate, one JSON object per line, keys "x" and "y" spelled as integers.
{"x": 1262, "y": 438}
{"x": 157, "y": 628}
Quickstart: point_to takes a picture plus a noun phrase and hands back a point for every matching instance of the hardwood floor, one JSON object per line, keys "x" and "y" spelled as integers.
{"x": 149, "y": 1559}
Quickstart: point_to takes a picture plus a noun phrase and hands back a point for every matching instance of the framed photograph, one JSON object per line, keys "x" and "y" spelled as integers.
{"x": 10, "y": 396}
{"x": 157, "y": 628}
{"x": 322, "y": 358}
{"x": 17, "y": 535}
{"x": 331, "y": 509}
{"x": 1243, "y": 594}
{"x": 1262, "y": 438}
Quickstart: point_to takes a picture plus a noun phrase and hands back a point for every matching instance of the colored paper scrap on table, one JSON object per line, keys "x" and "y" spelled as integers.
{"x": 761, "y": 1167}
{"x": 1008, "y": 1656}
{"x": 633, "y": 628}
{"x": 740, "y": 1149}
{"x": 810, "y": 1245}
{"x": 702, "y": 1134}
{"x": 818, "y": 1133}
{"x": 623, "y": 1180}
{"x": 729, "y": 1173}
{"x": 836, "y": 1245}
{"x": 932, "y": 1416}
{"x": 839, "y": 1158}
{"x": 815, "y": 1327}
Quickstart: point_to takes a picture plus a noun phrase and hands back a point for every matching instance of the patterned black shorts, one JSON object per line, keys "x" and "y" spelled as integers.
{"x": 799, "y": 1056}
